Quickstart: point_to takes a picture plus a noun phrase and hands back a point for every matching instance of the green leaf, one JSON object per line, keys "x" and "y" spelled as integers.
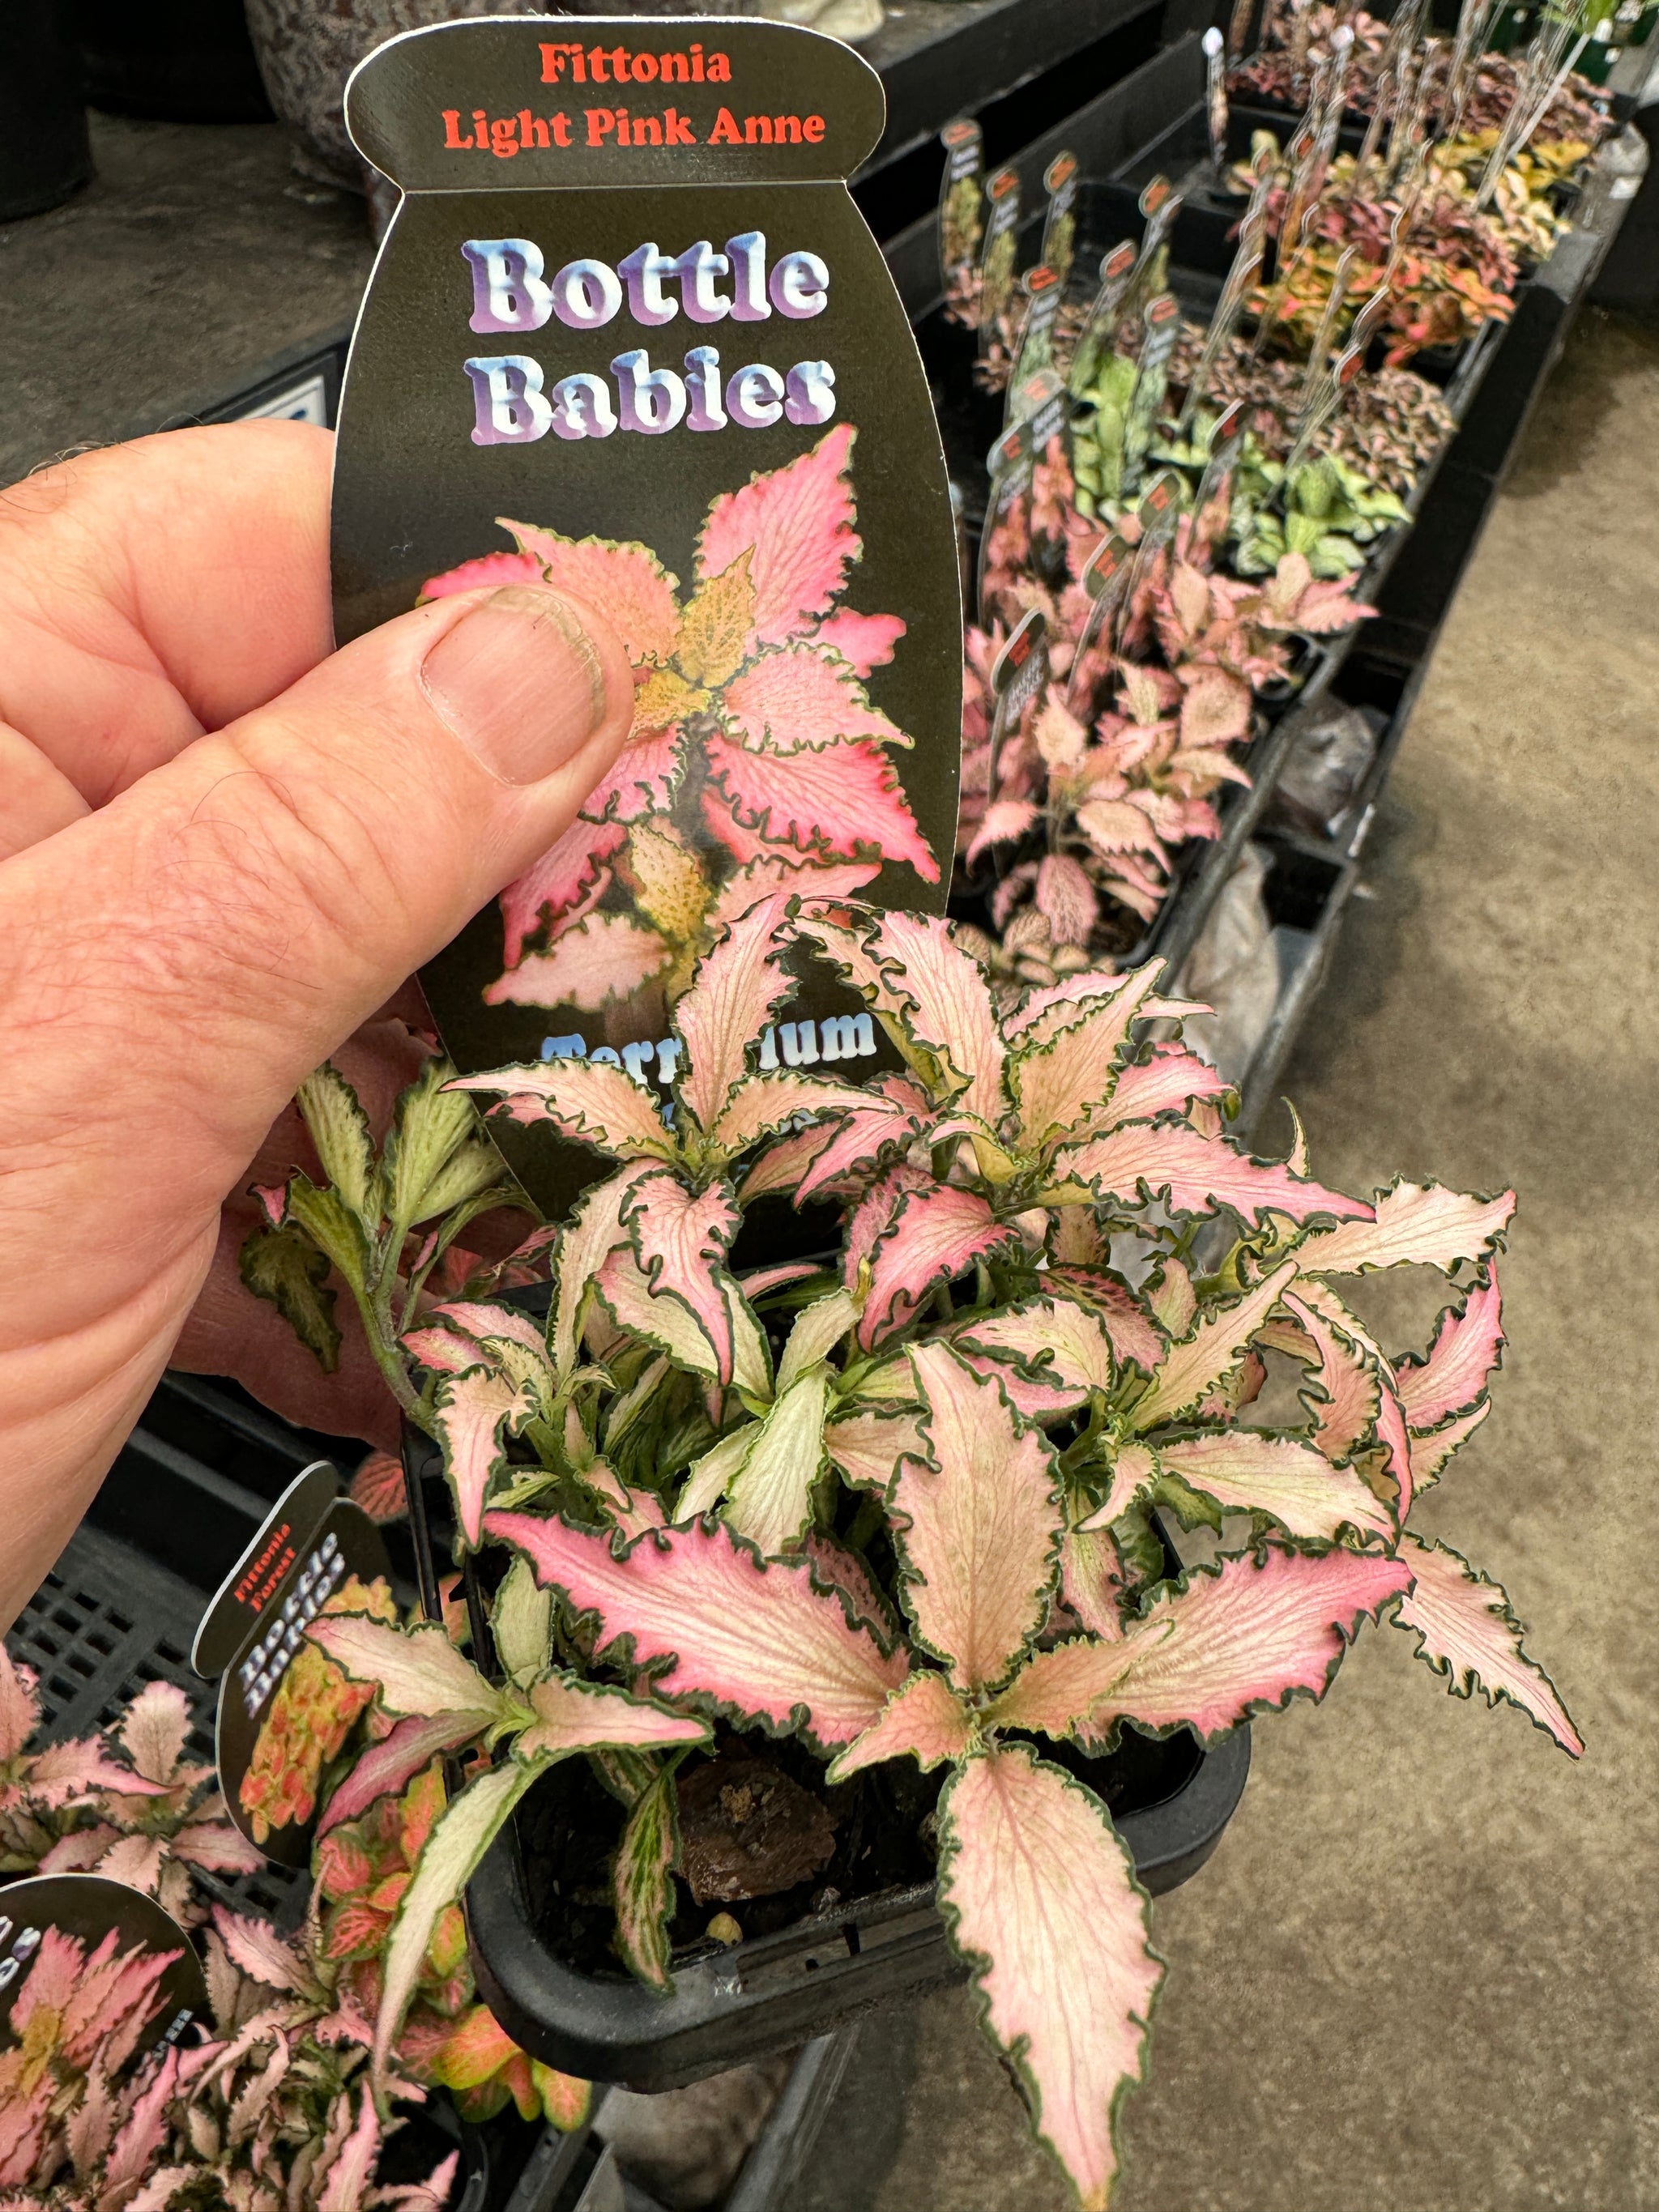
{"x": 431, "y": 1126}
{"x": 476, "y": 1169}
{"x": 642, "y": 1881}
{"x": 285, "y": 1268}
{"x": 1137, "y": 1546}
{"x": 451, "y": 1856}
{"x": 521, "y": 1622}
{"x": 331, "y": 1226}
{"x": 339, "y": 1129}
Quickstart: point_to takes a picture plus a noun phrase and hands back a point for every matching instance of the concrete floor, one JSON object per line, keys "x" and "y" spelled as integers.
{"x": 1420, "y": 1975}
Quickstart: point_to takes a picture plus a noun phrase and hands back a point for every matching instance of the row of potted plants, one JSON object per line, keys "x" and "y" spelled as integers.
{"x": 1199, "y": 482}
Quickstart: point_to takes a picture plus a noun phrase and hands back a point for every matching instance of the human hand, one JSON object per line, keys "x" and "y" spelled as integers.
{"x": 190, "y": 923}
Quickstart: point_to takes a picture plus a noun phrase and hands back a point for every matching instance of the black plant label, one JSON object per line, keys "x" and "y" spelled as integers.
{"x": 60, "y": 1920}
{"x": 285, "y": 1710}
{"x": 628, "y": 333}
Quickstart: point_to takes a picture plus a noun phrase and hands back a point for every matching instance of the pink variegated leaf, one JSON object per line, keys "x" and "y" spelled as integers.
{"x": 1216, "y": 709}
{"x": 1247, "y": 1471}
{"x": 1168, "y": 1083}
{"x": 572, "y": 1714}
{"x": 732, "y": 997}
{"x": 65, "y": 1772}
{"x": 1065, "y": 898}
{"x": 801, "y": 697}
{"x": 153, "y": 1731}
{"x": 798, "y": 522}
{"x": 1045, "y": 1012}
{"x": 934, "y": 1236}
{"x": 838, "y": 1569}
{"x": 840, "y": 800}
{"x": 1431, "y": 1450}
{"x": 771, "y": 871}
{"x": 1042, "y": 1900}
{"x": 470, "y": 1414}
{"x": 1467, "y": 1632}
{"x": 1136, "y": 1340}
{"x": 20, "y": 1705}
{"x": 1349, "y": 1385}
{"x": 347, "y": 2175}
{"x": 770, "y": 1497}
{"x": 1201, "y": 1362}
{"x": 417, "y": 1671}
{"x": 633, "y": 1511}
{"x": 1134, "y": 1468}
{"x": 951, "y": 1010}
{"x": 1196, "y": 1175}
{"x": 864, "y": 641}
{"x": 594, "y": 1231}
{"x": 494, "y": 568}
{"x": 867, "y": 1446}
{"x": 1317, "y": 1302}
{"x": 1092, "y": 1577}
{"x": 377, "y": 1487}
{"x": 976, "y": 1527}
{"x": 1059, "y": 1341}
{"x": 387, "y": 1768}
{"x": 271, "y": 1199}
{"x": 862, "y": 1136}
{"x": 1002, "y": 822}
{"x": 587, "y": 1099}
{"x": 642, "y": 780}
{"x": 1075, "y": 1068}
{"x": 142, "y": 2133}
{"x": 763, "y": 1105}
{"x": 1465, "y": 1352}
{"x": 482, "y": 1319}
{"x": 1037, "y": 1401}
{"x": 759, "y": 1641}
{"x": 785, "y": 1160}
{"x": 1414, "y": 1224}
{"x": 601, "y": 962}
{"x": 757, "y": 1281}
{"x": 1242, "y": 1638}
{"x": 218, "y": 1847}
{"x": 560, "y": 882}
{"x": 624, "y": 583}
{"x": 1114, "y": 827}
{"x": 136, "y": 1862}
{"x": 924, "y": 1720}
{"x": 443, "y": 1350}
{"x": 259, "y": 1951}
{"x": 681, "y": 1238}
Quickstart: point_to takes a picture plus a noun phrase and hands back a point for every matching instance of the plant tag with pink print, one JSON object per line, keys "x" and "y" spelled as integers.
{"x": 284, "y": 1708}
{"x": 146, "y": 1982}
{"x": 627, "y": 333}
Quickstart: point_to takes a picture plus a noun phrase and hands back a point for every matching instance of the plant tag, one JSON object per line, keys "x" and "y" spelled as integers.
{"x": 960, "y": 207}
{"x": 1043, "y": 292}
{"x": 627, "y": 302}
{"x": 1005, "y": 540}
{"x": 1059, "y": 181}
{"x": 1001, "y": 251}
{"x": 283, "y": 1710}
{"x": 1095, "y": 342}
{"x": 1160, "y": 203}
{"x": 1105, "y": 572}
{"x": 1161, "y": 322}
{"x": 93, "y": 1913}
{"x": 1018, "y": 674}
{"x": 1212, "y": 502}
{"x": 246, "y": 1592}
{"x": 1158, "y": 513}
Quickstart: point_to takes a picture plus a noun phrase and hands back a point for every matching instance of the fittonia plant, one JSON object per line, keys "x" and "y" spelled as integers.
{"x": 906, "y": 1504}
{"x": 756, "y": 750}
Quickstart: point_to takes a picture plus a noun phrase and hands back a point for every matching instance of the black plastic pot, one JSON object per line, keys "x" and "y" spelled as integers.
{"x": 180, "y": 61}
{"x": 45, "y": 153}
{"x": 774, "y": 1991}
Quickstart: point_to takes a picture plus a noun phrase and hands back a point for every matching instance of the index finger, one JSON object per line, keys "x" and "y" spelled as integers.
{"x": 151, "y": 591}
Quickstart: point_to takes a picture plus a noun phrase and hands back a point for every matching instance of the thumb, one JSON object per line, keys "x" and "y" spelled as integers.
{"x": 189, "y": 953}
